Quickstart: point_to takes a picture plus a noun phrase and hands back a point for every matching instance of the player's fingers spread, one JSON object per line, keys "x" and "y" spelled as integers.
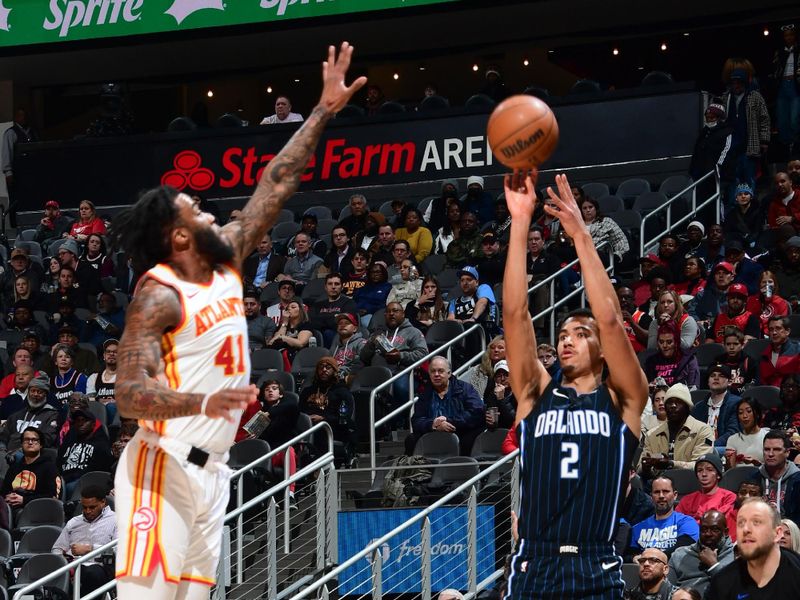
{"x": 357, "y": 84}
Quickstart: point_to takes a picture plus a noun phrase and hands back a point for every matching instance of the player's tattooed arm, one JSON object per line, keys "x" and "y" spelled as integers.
{"x": 281, "y": 177}
{"x": 139, "y": 395}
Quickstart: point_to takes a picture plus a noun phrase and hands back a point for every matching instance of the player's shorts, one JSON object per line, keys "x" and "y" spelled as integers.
{"x": 565, "y": 571}
{"x": 169, "y": 512}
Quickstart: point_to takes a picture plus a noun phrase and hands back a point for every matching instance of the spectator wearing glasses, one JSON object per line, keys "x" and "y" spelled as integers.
{"x": 653, "y": 571}
{"x": 338, "y": 259}
{"x": 401, "y": 250}
{"x": 32, "y": 477}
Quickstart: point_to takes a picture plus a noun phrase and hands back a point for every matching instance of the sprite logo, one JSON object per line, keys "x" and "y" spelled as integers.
{"x": 181, "y": 9}
{"x": 283, "y": 4}
{"x": 66, "y": 14}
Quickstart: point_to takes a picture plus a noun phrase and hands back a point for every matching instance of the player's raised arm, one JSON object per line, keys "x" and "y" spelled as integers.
{"x": 281, "y": 177}
{"x": 626, "y": 379}
{"x": 528, "y": 376}
{"x": 156, "y": 309}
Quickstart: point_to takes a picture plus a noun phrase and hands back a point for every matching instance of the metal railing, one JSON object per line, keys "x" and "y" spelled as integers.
{"x": 373, "y": 551}
{"x": 667, "y": 206}
{"x": 237, "y": 514}
{"x": 409, "y": 372}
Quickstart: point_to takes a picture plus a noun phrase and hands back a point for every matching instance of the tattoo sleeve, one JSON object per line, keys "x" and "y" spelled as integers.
{"x": 139, "y": 395}
{"x": 280, "y": 180}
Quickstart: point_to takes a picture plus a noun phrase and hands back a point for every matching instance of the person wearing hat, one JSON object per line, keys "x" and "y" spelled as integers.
{"x": 477, "y": 200}
{"x": 287, "y": 290}
{"x": 264, "y": 265}
{"x": 84, "y": 445}
{"x": 748, "y": 116}
{"x": 783, "y": 206}
{"x": 493, "y": 264}
{"x": 712, "y": 150}
{"x": 747, "y": 270}
{"x": 718, "y": 410}
{"x": 695, "y": 231}
{"x": 476, "y": 303}
{"x": 713, "y": 298}
{"x": 37, "y": 412}
{"x": 681, "y": 440}
{"x": 641, "y": 286}
{"x": 52, "y": 226}
{"x": 19, "y": 265}
{"x": 498, "y": 396}
{"x": 308, "y": 225}
{"x": 708, "y": 470}
{"x": 494, "y": 86}
{"x": 735, "y": 314}
{"x": 745, "y": 220}
{"x": 367, "y": 239}
{"x": 467, "y": 248}
{"x": 786, "y": 72}
{"x": 346, "y": 349}
{"x": 87, "y": 278}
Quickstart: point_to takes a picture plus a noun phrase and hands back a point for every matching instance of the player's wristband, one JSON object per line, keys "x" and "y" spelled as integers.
{"x": 204, "y": 404}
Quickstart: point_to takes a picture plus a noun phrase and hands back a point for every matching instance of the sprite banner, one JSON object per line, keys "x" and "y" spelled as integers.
{"x": 41, "y": 21}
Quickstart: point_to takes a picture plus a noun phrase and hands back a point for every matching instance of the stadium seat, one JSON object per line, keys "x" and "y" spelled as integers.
{"x": 595, "y": 190}
{"x": 733, "y": 478}
{"x": 674, "y": 184}
{"x": 40, "y": 566}
{"x": 537, "y": 92}
{"x": 284, "y": 230}
{"x": 27, "y": 235}
{"x": 437, "y": 445}
{"x": 181, "y": 124}
{"x": 487, "y": 446}
{"x": 305, "y": 361}
{"x": 706, "y": 353}
{"x": 266, "y": 359}
{"x": 279, "y": 375}
{"x": 32, "y": 248}
{"x": 794, "y": 326}
{"x": 285, "y": 216}
{"x": 350, "y": 111}
{"x": 6, "y": 544}
{"x": 368, "y": 378}
{"x": 441, "y": 332}
{"x": 391, "y": 108}
{"x": 610, "y": 204}
{"x": 38, "y": 540}
{"x": 628, "y": 220}
{"x": 630, "y": 188}
{"x": 685, "y": 480}
{"x": 480, "y": 101}
{"x": 423, "y": 204}
{"x": 101, "y": 478}
{"x": 52, "y": 249}
{"x": 447, "y": 279}
{"x": 229, "y": 120}
{"x": 314, "y": 291}
{"x": 755, "y": 348}
{"x": 657, "y": 78}
{"x": 699, "y": 395}
{"x": 434, "y": 104}
{"x": 39, "y": 512}
{"x": 585, "y": 86}
{"x": 647, "y": 202}
{"x": 630, "y": 575}
{"x": 433, "y": 264}
{"x": 767, "y": 396}
{"x": 373, "y": 498}
{"x": 98, "y": 409}
{"x": 245, "y": 452}
{"x": 269, "y": 295}
{"x": 452, "y": 471}
{"x": 378, "y": 320}
{"x": 320, "y": 211}
{"x": 644, "y": 354}
{"x": 324, "y": 228}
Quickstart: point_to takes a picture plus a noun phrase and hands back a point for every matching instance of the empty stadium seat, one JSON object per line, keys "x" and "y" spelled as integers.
{"x": 733, "y": 478}
{"x": 320, "y": 211}
{"x": 37, "y": 540}
{"x": 537, "y": 91}
{"x": 647, "y": 202}
{"x": 685, "y": 480}
{"x": 314, "y": 291}
{"x": 434, "y": 104}
{"x": 437, "y": 445}
{"x": 39, "y": 512}
{"x": 27, "y": 235}
{"x": 487, "y": 446}
{"x": 305, "y": 361}
{"x": 229, "y": 120}
{"x": 610, "y": 204}
{"x": 454, "y": 470}
{"x": 181, "y": 124}
{"x": 391, "y": 108}
{"x": 350, "y": 111}
{"x": 595, "y": 190}
{"x": 480, "y": 101}
{"x": 706, "y": 353}
{"x": 285, "y": 216}
{"x": 441, "y": 332}
{"x": 755, "y": 348}
{"x": 699, "y": 395}
{"x": 657, "y": 78}
{"x": 283, "y": 231}
{"x": 433, "y": 265}
{"x": 630, "y": 188}
{"x": 266, "y": 359}
{"x": 767, "y": 396}
{"x": 6, "y": 544}
{"x": 585, "y": 86}
{"x": 40, "y": 566}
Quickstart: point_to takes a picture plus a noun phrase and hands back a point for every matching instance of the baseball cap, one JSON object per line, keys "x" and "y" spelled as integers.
{"x": 737, "y": 289}
{"x": 489, "y": 237}
{"x": 793, "y": 242}
{"x": 67, "y": 329}
{"x": 717, "y": 109}
{"x": 286, "y": 282}
{"x": 31, "y": 334}
{"x": 723, "y": 370}
{"x": 734, "y": 245}
{"x": 18, "y": 252}
{"x": 651, "y": 258}
{"x": 725, "y": 265}
{"x": 51, "y": 204}
{"x": 501, "y": 365}
{"x": 109, "y": 342}
{"x": 348, "y": 317}
{"x": 471, "y": 271}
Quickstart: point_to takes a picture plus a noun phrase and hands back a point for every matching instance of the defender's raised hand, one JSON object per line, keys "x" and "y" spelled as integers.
{"x": 564, "y": 207}
{"x": 335, "y": 93}
{"x": 520, "y": 191}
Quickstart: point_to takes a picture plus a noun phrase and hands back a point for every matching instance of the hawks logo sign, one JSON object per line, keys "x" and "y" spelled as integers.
{"x": 144, "y": 518}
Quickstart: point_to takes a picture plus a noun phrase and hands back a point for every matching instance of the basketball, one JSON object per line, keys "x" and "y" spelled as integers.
{"x": 522, "y": 132}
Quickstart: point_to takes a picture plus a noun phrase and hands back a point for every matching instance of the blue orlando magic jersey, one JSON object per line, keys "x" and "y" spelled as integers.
{"x": 575, "y": 452}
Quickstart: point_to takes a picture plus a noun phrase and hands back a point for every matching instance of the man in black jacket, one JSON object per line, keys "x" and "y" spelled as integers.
{"x": 36, "y": 413}
{"x": 34, "y": 476}
{"x": 786, "y": 71}
{"x": 85, "y": 445}
{"x": 712, "y": 151}
{"x": 323, "y": 313}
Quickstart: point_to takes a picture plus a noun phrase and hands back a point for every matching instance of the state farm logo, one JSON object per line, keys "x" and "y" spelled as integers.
{"x": 144, "y": 518}
{"x": 188, "y": 173}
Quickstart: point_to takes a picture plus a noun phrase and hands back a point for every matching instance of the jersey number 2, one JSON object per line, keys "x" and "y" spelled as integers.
{"x": 569, "y": 470}
{"x": 231, "y": 355}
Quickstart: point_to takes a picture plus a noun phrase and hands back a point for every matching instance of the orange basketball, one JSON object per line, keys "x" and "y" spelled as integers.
{"x": 522, "y": 132}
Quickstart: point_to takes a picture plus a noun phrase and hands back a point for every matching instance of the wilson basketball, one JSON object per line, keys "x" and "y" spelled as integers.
{"x": 522, "y": 132}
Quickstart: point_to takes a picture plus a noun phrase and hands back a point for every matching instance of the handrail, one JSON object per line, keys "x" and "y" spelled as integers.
{"x": 396, "y": 411}
{"x": 668, "y": 205}
{"x": 409, "y": 372}
{"x": 377, "y": 543}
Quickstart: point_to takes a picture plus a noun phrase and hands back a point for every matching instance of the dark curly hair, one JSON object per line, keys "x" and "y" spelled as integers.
{"x": 142, "y": 231}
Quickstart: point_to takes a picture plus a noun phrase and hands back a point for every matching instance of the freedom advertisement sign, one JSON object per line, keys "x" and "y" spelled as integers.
{"x": 41, "y": 21}
{"x": 402, "y": 555}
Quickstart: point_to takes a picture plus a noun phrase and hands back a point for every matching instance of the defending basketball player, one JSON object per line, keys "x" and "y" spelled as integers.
{"x": 576, "y": 435}
{"x": 184, "y": 366}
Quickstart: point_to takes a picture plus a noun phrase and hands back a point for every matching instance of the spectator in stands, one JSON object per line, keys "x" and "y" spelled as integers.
{"x": 401, "y": 250}
{"x": 369, "y": 238}
{"x": 746, "y": 447}
{"x": 743, "y": 370}
{"x": 478, "y": 201}
{"x": 347, "y": 348}
{"x": 126, "y": 276}
{"x": 540, "y": 265}
{"x": 328, "y": 399}
{"x": 786, "y": 416}
{"x": 468, "y": 246}
{"x": 100, "y": 386}
{"x": 386, "y": 240}
{"x": 747, "y": 115}
{"x": 670, "y": 257}
{"x": 283, "y": 113}
{"x": 658, "y": 278}
{"x": 357, "y": 275}
{"x": 479, "y": 375}
{"x": 107, "y": 323}
{"x": 52, "y": 226}
{"x": 787, "y": 271}
{"x": 712, "y": 151}
{"x": 32, "y": 477}
{"x": 657, "y": 413}
{"x": 670, "y": 309}
{"x": 708, "y": 470}
{"x": 87, "y": 278}
{"x": 15, "y": 399}
{"x": 260, "y": 328}
{"x": 694, "y": 277}
{"x": 323, "y": 313}
{"x": 719, "y": 409}
{"x": 747, "y": 270}
{"x": 653, "y": 570}
{"x": 786, "y": 72}
{"x": 302, "y": 267}
{"x": 695, "y": 565}
{"x": 766, "y": 302}
{"x": 36, "y": 413}
{"x": 476, "y": 303}
{"x": 635, "y": 321}
{"x": 84, "y": 360}
{"x": 745, "y": 220}
{"x": 666, "y": 530}
{"x": 680, "y": 441}
{"x": 436, "y": 214}
{"x": 493, "y": 264}
{"x": 25, "y": 290}
{"x": 737, "y": 315}
{"x": 293, "y": 331}
{"x": 96, "y": 255}
{"x": 66, "y": 379}
{"x": 603, "y": 229}
{"x": 87, "y": 223}
{"x": 407, "y": 346}
{"x": 409, "y": 287}
{"x": 498, "y": 395}
{"x": 781, "y": 357}
{"x": 127, "y": 430}
{"x": 784, "y": 206}
{"x": 415, "y": 233}
{"x": 19, "y": 265}
{"x": 95, "y": 527}
{"x": 64, "y": 317}
{"x": 448, "y": 404}
{"x": 790, "y": 538}
{"x": 372, "y": 296}
{"x": 84, "y": 445}
{"x": 713, "y": 250}
{"x": 780, "y": 476}
{"x": 713, "y": 298}
{"x": 32, "y": 340}
{"x": 20, "y": 358}
{"x": 338, "y": 259}
{"x": 494, "y": 86}
{"x": 670, "y": 362}
{"x": 263, "y": 266}
{"x": 374, "y": 101}
{"x": 308, "y": 225}
{"x": 428, "y": 307}
{"x": 21, "y": 318}
{"x": 357, "y": 219}
{"x": 694, "y": 240}
{"x": 286, "y": 293}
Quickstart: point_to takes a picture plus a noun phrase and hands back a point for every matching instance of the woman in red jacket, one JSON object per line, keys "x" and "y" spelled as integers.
{"x": 767, "y": 302}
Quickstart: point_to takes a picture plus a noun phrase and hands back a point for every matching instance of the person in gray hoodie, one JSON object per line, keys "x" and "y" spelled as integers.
{"x": 346, "y": 347}
{"x": 694, "y": 565}
{"x": 780, "y": 476}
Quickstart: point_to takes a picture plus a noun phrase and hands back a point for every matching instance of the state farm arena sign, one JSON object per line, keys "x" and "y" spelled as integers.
{"x": 222, "y": 163}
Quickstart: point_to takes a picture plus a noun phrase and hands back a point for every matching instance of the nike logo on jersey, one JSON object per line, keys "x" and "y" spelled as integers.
{"x": 560, "y": 394}
{"x": 608, "y": 566}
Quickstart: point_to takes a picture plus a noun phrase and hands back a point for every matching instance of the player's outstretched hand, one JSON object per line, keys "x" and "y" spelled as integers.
{"x": 335, "y": 93}
{"x": 221, "y": 404}
{"x": 520, "y": 191}
{"x": 564, "y": 207}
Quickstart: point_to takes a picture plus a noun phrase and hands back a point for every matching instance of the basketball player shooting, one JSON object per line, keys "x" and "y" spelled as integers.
{"x": 184, "y": 367}
{"x": 576, "y": 435}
